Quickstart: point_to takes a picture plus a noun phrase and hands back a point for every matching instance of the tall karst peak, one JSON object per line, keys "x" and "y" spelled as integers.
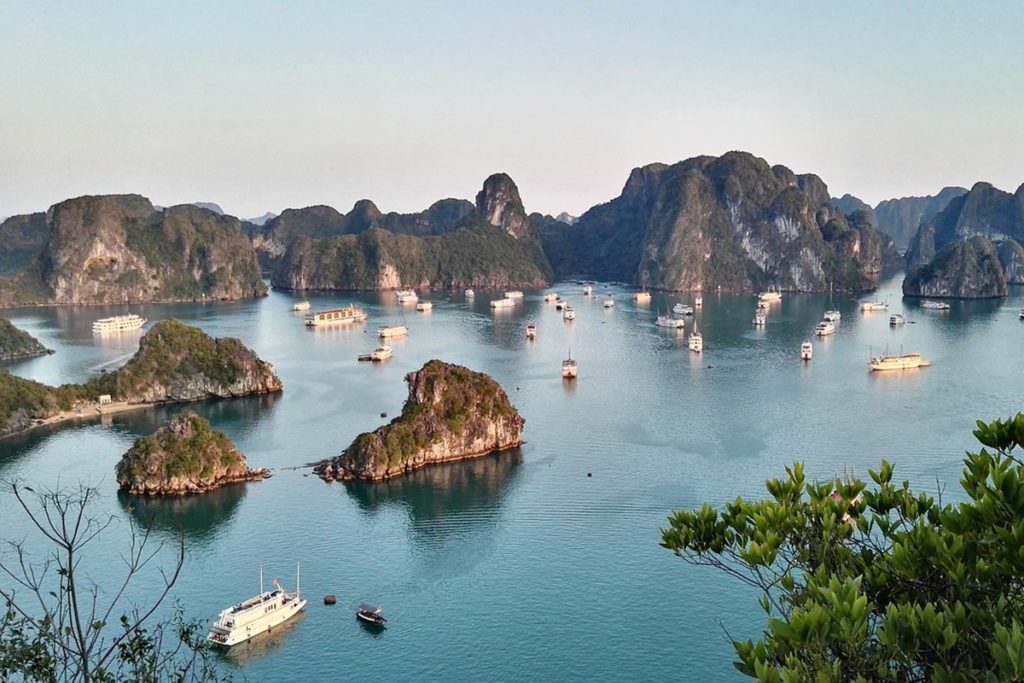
{"x": 499, "y": 204}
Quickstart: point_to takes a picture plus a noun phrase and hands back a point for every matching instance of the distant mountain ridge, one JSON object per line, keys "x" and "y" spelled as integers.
{"x": 731, "y": 222}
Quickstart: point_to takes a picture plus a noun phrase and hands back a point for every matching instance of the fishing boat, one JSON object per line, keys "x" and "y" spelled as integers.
{"x": 502, "y": 303}
{"x": 514, "y": 294}
{"x": 371, "y": 614}
{"x": 897, "y": 319}
{"x": 569, "y": 314}
{"x": 906, "y": 361}
{"x": 698, "y": 301}
{"x": 389, "y": 331}
{"x": 424, "y": 306}
{"x": 935, "y": 305}
{"x": 257, "y": 615}
{"x": 874, "y": 306}
{"x": 832, "y": 316}
{"x": 642, "y": 297}
{"x": 770, "y": 295}
{"x": 406, "y": 296}
{"x": 301, "y": 306}
{"x": 531, "y": 331}
{"x": 1022, "y": 314}
{"x": 609, "y": 303}
{"x": 549, "y": 297}
{"x": 669, "y": 321}
{"x": 806, "y": 351}
{"x": 588, "y": 290}
{"x": 335, "y": 316}
{"x": 824, "y": 328}
{"x": 470, "y": 294}
{"x": 118, "y": 323}
{"x": 569, "y": 367}
{"x": 381, "y": 353}
{"x": 682, "y": 309}
{"x": 760, "y": 319}
{"x": 696, "y": 341}
{"x": 560, "y": 305}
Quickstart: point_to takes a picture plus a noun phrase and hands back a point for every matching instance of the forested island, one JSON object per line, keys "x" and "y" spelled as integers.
{"x": 15, "y": 343}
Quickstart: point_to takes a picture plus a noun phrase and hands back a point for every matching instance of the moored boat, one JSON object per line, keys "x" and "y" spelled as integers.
{"x": 333, "y": 316}
{"x": 770, "y": 295}
{"x": 696, "y": 341}
{"x": 760, "y": 318}
{"x": 873, "y": 306}
{"x": 531, "y": 331}
{"x": 1022, "y": 314}
{"x": 588, "y": 290}
{"x": 569, "y": 314}
{"x": 682, "y": 309}
{"x": 896, "y": 319}
{"x": 301, "y": 306}
{"x": 371, "y": 614}
{"x": 381, "y": 353}
{"x": 642, "y": 297}
{"x": 389, "y": 331}
{"x": 906, "y": 361}
{"x": 514, "y": 294}
{"x": 832, "y": 316}
{"x": 257, "y": 615}
{"x": 424, "y": 306}
{"x": 806, "y": 351}
{"x": 569, "y": 368}
{"x": 935, "y": 305}
{"x": 824, "y": 328}
{"x": 550, "y": 296}
{"x": 470, "y": 294}
{"x": 502, "y": 303}
{"x": 609, "y": 303}
{"x": 119, "y": 323}
{"x": 669, "y": 321}
{"x": 406, "y": 296}
{"x": 698, "y": 301}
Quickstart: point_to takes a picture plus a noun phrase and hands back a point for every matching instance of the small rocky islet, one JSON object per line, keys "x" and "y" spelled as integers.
{"x": 451, "y": 413}
{"x": 186, "y": 456}
{"x": 15, "y": 343}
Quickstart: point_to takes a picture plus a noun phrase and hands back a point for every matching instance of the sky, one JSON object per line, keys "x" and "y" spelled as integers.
{"x": 261, "y": 106}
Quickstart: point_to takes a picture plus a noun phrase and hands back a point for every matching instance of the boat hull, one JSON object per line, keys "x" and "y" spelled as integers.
{"x": 241, "y": 634}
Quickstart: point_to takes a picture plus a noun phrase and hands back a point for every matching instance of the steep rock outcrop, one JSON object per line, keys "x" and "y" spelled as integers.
{"x": 185, "y": 456}
{"x": 15, "y": 343}
{"x": 452, "y": 413}
{"x": 473, "y": 253}
{"x": 732, "y": 222}
{"x": 120, "y": 249}
{"x": 901, "y": 217}
{"x": 22, "y": 239}
{"x": 1011, "y": 258}
{"x": 848, "y": 204}
{"x": 964, "y": 269}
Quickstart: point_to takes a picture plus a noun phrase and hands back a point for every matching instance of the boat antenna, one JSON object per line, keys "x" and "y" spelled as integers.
{"x": 261, "y": 579}
{"x": 298, "y": 592}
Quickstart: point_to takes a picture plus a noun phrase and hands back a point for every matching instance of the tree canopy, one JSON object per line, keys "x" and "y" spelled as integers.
{"x": 871, "y": 581}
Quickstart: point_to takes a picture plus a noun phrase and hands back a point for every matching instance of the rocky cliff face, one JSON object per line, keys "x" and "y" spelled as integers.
{"x": 901, "y": 217}
{"x": 185, "y": 456}
{"x": 985, "y": 219}
{"x": 178, "y": 363}
{"x": 22, "y": 239}
{"x": 452, "y": 413}
{"x": 732, "y": 222}
{"x": 848, "y": 204}
{"x": 472, "y": 253}
{"x": 15, "y": 343}
{"x": 120, "y": 249}
{"x": 964, "y": 269}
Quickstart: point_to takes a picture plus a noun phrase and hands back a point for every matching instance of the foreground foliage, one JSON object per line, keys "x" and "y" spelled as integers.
{"x": 878, "y": 583}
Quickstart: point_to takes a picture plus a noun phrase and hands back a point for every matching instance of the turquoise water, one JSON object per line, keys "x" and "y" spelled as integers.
{"x": 519, "y": 566}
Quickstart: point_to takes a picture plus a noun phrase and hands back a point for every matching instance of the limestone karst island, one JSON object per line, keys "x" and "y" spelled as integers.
{"x": 458, "y": 342}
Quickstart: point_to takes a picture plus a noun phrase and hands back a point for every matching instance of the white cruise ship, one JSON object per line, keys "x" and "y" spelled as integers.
{"x": 392, "y": 331}
{"x": 406, "y": 296}
{"x": 119, "y": 323}
{"x": 824, "y": 328}
{"x": 502, "y": 303}
{"x": 241, "y": 622}
{"x": 935, "y": 305}
{"x": 682, "y": 309}
{"x": 669, "y": 321}
{"x": 906, "y": 361}
{"x": 832, "y": 316}
{"x": 335, "y": 316}
{"x": 696, "y": 340}
{"x": 301, "y": 306}
{"x": 874, "y": 306}
{"x": 643, "y": 297}
{"x": 770, "y": 295}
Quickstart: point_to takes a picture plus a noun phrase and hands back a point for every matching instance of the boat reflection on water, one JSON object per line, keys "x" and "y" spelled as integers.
{"x": 199, "y": 517}
{"x": 260, "y": 646}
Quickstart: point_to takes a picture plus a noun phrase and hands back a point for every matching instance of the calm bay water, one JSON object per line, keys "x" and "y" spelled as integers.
{"x": 519, "y": 566}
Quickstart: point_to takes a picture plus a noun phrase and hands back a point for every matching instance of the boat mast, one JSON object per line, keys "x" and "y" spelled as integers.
{"x": 261, "y": 579}
{"x": 297, "y": 591}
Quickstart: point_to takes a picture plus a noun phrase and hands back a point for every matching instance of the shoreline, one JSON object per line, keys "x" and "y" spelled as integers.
{"x": 92, "y": 412}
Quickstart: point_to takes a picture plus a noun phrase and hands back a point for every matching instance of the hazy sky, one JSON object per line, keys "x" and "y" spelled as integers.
{"x": 265, "y": 105}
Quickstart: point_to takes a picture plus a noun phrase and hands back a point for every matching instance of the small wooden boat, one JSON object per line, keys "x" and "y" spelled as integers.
{"x": 372, "y": 615}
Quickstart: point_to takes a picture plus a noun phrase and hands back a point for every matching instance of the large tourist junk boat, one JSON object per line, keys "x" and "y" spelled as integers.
{"x": 569, "y": 367}
{"x": 906, "y": 361}
{"x": 897, "y": 319}
{"x": 388, "y": 331}
{"x": 406, "y": 296}
{"x": 696, "y": 341}
{"x": 642, "y": 297}
{"x": 833, "y": 316}
{"x": 682, "y": 309}
{"x": 502, "y": 303}
{"x": 119, "y": 323}
{"x": 669, "y": 321}
{"x": 335, "y": 316}
{"x": 935, "y": 305}
{"x": 257, "y": 615}
{"x": 301, "y": 306}
{"x": 874, "y": 306}
{"x": 770, "y": 295}
{"x": 824, "y": 328}
{"x": 424, "y": 306}
{"x": 381, "y": 353}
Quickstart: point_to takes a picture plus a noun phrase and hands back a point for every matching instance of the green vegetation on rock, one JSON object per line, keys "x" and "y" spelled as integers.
{"x": 452, "y": 413}
{"x": 15, "y": 343}
{"x": 862, "y": 582}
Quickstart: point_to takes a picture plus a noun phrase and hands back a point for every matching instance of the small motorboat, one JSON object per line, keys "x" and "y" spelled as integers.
{"x": 609, "y": 303}
{"x": 531, "y": 331}
{"x": 806, "y": 350}
{"x": 372, "y": 615}
{"x": 897, "y": 319}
